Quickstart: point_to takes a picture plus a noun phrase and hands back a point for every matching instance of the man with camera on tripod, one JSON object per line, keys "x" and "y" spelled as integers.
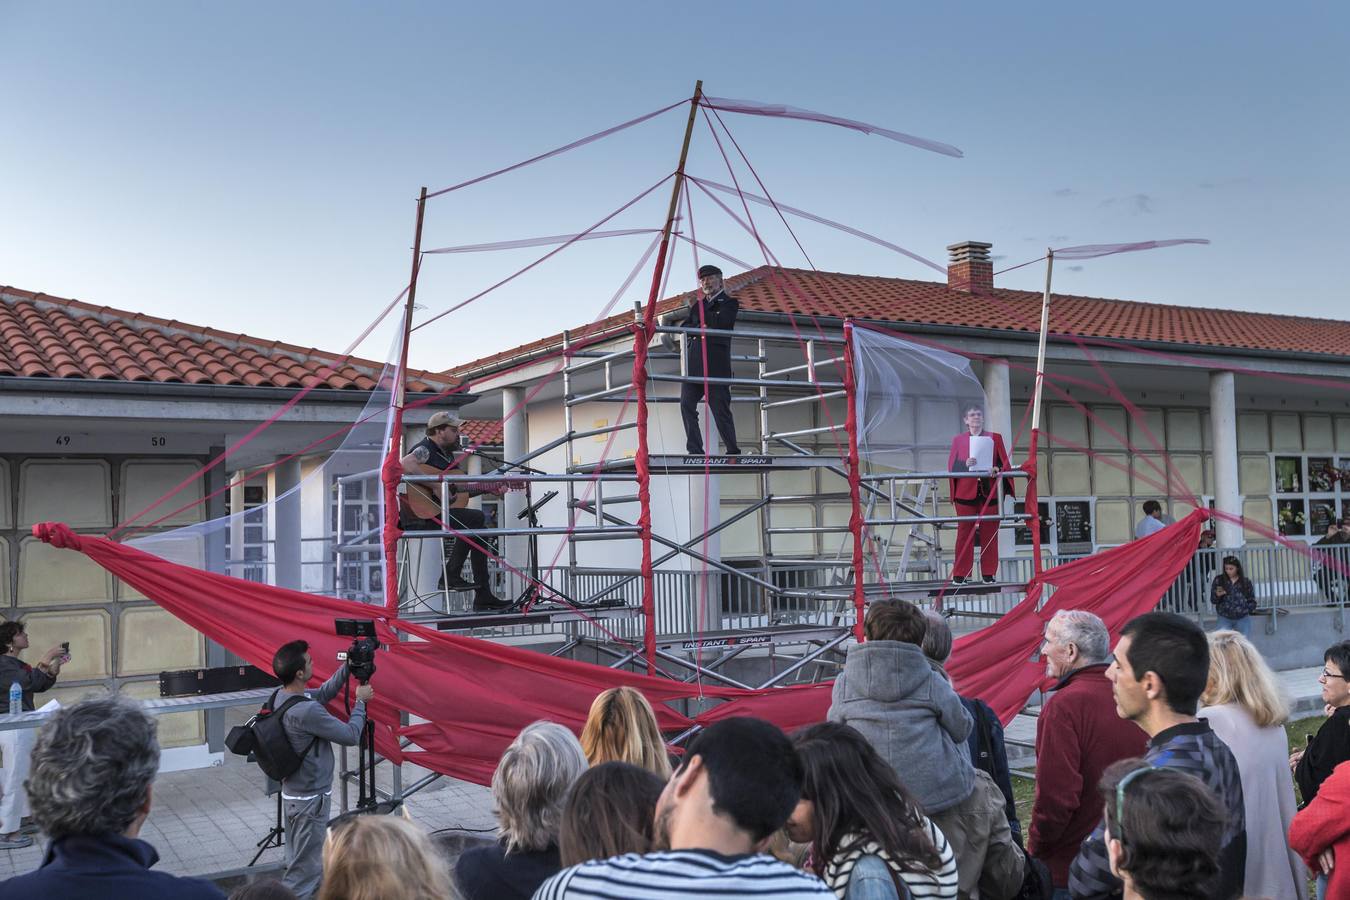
{"x": 312, "y": 731}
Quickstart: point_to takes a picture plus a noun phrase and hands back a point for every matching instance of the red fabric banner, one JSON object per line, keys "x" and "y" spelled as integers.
{"x": 476, "y": 695}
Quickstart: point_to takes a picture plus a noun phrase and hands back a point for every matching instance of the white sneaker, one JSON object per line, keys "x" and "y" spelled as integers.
{"x": 15, "y": 841}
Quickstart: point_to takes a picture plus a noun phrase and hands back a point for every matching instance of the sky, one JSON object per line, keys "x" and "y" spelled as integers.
{"x": 254, "y": 167}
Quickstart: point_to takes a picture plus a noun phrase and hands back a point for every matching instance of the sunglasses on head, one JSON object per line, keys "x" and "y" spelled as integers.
{"x": 1120, "y": 796}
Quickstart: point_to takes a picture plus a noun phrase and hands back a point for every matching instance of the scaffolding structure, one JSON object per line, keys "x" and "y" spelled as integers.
{"x": 881, "y": 506}
{"x": 800, "y": 610}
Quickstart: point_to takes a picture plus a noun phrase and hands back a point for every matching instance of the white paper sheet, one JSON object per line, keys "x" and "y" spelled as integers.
{"x": 982, "y": 450}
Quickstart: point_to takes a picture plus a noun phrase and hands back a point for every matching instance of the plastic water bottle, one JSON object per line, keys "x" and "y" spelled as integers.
{"x": 15, "y": 698}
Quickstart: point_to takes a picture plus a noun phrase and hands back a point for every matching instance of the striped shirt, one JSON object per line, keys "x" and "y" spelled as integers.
{"x": 683, "y": 873}
{"x": 935, "y": 884}
{"x": 1193, "y": 748}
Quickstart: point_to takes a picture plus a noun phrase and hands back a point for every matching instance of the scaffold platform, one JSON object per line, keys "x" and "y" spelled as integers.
{"x": 473, "y": 620}
{"x": 744, "y": 638}
{"x": 693, "y": 465}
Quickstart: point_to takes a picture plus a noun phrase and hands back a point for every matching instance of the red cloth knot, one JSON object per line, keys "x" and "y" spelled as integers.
{"x": 57, "y": 534}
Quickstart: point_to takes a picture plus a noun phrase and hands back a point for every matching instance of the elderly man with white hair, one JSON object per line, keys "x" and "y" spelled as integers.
{"x": 1078, "y": 735}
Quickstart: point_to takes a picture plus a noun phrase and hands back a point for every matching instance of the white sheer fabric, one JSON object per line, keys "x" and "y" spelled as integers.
{"x": 337, "y": 500}
{"x": 910, "y": 400}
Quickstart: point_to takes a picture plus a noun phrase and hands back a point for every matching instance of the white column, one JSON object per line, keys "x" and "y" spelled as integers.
{"x": 707, "y": 586}
{"x": 236, "y": 566}
{"x": 515, "y": 445}
{"x": 286, "y": 545}
{"x": 998, "y": 419}
{"x": 1223, "y": 443}
{"x": 998, "y": 399}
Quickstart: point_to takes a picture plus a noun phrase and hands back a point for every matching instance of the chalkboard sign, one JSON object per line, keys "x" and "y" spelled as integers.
{"x": 1022, "y": 533}
{"x": 1073, "y": 521}
{"x": 1322, "y": 515}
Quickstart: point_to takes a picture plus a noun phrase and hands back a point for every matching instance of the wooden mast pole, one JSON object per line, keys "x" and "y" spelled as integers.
{"x": 1033, "y": 509}
{"x": 1040, "y": 349}
{"x": 642, "y": 333}
{"x": 398, "y": 398}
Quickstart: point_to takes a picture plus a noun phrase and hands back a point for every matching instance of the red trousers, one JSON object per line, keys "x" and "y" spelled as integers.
{"x": 965, "y": 539}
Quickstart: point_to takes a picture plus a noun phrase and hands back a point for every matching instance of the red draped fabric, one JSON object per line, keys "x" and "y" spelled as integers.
{"x": 475, "y": 695}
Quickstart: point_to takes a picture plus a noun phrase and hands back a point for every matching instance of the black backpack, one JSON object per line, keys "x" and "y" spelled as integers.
{"x": 263, "y": 739}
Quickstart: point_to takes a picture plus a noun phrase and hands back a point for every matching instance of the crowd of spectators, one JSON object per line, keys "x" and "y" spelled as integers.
{"x": 1161, "y": 774}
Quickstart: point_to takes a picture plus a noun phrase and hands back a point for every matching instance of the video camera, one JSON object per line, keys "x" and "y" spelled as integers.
{"x": 360, "y": 656}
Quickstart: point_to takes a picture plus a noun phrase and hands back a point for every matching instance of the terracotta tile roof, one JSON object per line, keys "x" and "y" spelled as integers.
{"x": 908, "y": 302}
{"x": 487, "y": 432}
{"x": 50, "y": 337}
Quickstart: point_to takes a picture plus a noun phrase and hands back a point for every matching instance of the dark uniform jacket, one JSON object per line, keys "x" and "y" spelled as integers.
{"x": 718, "y": 311}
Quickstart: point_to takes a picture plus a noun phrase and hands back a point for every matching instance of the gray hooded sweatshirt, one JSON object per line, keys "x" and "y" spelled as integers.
{"x": 911, "y": 716}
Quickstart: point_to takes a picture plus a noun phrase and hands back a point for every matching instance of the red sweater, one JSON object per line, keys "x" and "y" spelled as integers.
{"x": 1323, "y": 823}
{"x": 1078, "y": 735}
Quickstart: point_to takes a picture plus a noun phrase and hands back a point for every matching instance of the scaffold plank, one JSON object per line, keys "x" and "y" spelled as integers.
{"x": 690, "y": 465}
{"x": 472, "y": 620}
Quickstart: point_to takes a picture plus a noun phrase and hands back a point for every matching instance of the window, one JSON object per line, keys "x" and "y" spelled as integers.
{"x": 360, "y": 574}
{"x": 250, "y": 559}
{"x": 1310, "y": 491}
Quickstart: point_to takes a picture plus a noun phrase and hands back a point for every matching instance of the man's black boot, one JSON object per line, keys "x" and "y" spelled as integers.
{"x": 486, "y": 601}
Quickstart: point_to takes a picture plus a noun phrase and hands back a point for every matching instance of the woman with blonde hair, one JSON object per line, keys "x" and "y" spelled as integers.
{"x": 375, "y": 857}
{"x": 1246, "y": 709}
{"x": 621, "y": 727}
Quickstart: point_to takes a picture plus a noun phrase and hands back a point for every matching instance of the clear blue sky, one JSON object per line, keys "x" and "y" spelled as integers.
{"x": 253, "y": 166}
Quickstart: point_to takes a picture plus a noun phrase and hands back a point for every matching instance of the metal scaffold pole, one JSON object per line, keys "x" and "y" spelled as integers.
{"x": 642, "y": 334}
{"x": 396, "y": 402}
{"x": 855, "y": 521}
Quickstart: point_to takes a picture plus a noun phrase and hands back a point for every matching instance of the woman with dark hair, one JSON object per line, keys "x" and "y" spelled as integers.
{"x": 869, "y": 839}
{"x": 1234, "y": 598}
{"x": 18, "y": 743}
{"x": 1163, "y": 829}
{"x": 611, "y": 811}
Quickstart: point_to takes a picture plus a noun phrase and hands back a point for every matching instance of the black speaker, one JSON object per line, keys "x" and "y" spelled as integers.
{"x": 220, "y": 680}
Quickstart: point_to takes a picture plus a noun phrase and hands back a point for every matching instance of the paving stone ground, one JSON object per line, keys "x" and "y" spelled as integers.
{"x": 208, "y": 821}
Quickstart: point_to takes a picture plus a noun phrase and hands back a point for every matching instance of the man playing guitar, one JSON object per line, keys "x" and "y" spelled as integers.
{"x": 420, "y": 507}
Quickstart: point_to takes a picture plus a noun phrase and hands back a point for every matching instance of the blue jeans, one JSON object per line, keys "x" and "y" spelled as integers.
{"x": 1062, "y": 894}
{"x": 871, "y": 880}
{"x": 1242, "y": 626}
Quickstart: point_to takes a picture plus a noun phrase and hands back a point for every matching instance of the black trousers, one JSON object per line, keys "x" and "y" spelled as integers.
{"x": 457, "y": 549}
{"x": 719, "y": 401}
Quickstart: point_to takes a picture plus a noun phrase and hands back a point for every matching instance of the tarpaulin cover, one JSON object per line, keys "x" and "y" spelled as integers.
{"x": 477, "y": 695}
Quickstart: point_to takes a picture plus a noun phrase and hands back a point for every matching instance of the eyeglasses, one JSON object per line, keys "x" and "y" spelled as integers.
{"x": 1120, "y": 796}
{"x": 1326, "y": 674}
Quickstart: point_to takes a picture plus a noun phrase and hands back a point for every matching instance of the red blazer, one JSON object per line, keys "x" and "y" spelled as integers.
{"x": 966, "y": 490}
{"x": 1323, "y": 823}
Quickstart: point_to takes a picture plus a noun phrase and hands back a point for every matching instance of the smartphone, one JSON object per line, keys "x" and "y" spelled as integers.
{"x": 65, "y": 651}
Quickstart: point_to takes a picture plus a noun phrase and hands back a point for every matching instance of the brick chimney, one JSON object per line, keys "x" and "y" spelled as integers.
{"x": 969, "y": 267}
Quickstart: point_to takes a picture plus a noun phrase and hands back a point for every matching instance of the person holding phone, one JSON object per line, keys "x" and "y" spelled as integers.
{"x": 16, "y": 744}
{"x": 1234, "y": 598}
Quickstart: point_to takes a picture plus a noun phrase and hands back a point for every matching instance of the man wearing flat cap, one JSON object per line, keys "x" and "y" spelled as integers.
{"x": 716, "y": 310}
{"x": 420, "y": 510}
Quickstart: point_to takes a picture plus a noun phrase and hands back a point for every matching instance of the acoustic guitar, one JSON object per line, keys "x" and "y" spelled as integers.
{"x": 423, "y": 500}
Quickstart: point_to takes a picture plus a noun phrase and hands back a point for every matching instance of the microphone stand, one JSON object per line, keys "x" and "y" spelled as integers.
{"x": 533, "y": 590}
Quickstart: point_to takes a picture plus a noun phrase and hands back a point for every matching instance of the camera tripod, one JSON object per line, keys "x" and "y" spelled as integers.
{"x": 534, "y": 591}
{"x": 274, "y": 838}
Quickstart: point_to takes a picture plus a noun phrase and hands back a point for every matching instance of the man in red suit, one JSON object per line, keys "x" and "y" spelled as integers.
{"x": 976, "y": 497}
